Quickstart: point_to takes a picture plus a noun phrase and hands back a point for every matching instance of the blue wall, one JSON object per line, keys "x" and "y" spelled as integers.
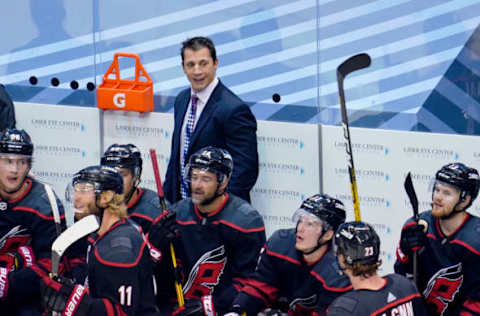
{"x": 425, "y": 55}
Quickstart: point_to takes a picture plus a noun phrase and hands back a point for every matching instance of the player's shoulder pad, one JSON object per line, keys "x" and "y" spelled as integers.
{"x": 122, "y": 245}
{"x": 183, "y": 209}
{"x": 37, "y": 200}
{"x": 345, "y": 302}
{"x": 401, "y": 280}
{"x": 241, "y": 214}
{"x": 329, "y": 274}
{"x": 282, "y": 240}
{"x": 468, "y": 234}
{"x": 149, "y": 204}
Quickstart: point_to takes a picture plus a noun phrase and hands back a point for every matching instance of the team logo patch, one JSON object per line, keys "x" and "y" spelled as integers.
{"x": 442, "y": 288}
{"x": 206, "y": 273}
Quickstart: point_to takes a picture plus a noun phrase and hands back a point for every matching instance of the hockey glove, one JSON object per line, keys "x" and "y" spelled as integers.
{"x": 163, "y": 231}
{"x": 3, "y": 282}
{"x": 61, "y": 295}
{"x": 196, "y": 307}
{"x": 24, "y": 257}
{"x": 236, "y": 310}
{"x": 272, "y": 312}
{"x": 413, "y": 238}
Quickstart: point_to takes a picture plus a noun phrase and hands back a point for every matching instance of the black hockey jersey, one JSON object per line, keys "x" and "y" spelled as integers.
{"x": 399, "y": 297}
{"x": 120, "y": 272}
{"x": 448, "y": 266}
{"x": 142, "y": 211}
{"x": 283, "y": 275}
{"x": 27, "y": 220}
{"x": 144, "y": 208}
{"x": 219, "y": 251}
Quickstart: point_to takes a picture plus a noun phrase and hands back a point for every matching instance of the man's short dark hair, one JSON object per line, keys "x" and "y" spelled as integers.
{"x": 197, "y": 43}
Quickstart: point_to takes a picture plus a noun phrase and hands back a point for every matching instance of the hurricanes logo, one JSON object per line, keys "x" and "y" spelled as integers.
{"x": 206, "y": 273}
{"x": 14, "y": 239}
{"x": 442, "y": 288}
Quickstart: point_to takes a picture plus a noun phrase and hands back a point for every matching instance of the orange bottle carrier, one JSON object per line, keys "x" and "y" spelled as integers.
{"x": 127, "y": 95}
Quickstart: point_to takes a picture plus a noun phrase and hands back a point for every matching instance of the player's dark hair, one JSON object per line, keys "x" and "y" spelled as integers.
{"x": 197, "y": 43}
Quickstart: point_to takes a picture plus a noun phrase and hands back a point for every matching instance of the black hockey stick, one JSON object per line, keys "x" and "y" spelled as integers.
{"x": 352, "y": 64}
{"x": 412, "y": 196}
{"x": 161, "y": 196}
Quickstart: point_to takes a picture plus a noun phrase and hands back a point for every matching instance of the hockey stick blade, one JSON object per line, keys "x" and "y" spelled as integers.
{"x": 354, "y": 63}
{"x": 75, "y": 232}
{"x": 412, "y": 196}
{"x": 53, "y": 204}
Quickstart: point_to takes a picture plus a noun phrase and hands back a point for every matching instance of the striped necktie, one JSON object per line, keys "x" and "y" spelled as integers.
{"x": 190, "y": 126}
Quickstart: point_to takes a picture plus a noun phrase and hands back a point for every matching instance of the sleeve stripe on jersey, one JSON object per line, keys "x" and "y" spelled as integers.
{"x": 238, "y": 283}
{"x": 184, "y": 223}
{"x": 121, "y": 265}
{"x": 271, "y": 253}
{"x": 396, "y": 303}
{"x": 245, "y": 230}
{"x": 31, "y": 210}
{"x": 148, "y": 218}
{"x": 333, "y": 289}
{"x": 262, "y": 290}
{"x": 108, "y": 307}
{"x": 471, "y": 306}
{"x": 464, "y": 244}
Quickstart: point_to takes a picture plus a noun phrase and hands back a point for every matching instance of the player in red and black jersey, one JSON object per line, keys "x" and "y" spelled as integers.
{"x": 297, "y": 271}
{"x": 142, "y": 203}
{"x": 119, "y": 280}
{"x": 218, "y": 236}
{"x": 27, "y": 227}
{"x": 446, "y": 239}
{"x": 358, "y": 248}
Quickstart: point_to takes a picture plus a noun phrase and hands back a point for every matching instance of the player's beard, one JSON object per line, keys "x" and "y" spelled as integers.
{"x": 204, "y": 199}
{"x": 441, "y": 211}
{"x": 90, "y": 209}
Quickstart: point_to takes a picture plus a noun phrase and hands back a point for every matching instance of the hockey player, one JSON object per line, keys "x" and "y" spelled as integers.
{"x": 143, "y": 204}
{"x": 358, "y": 248}
{"x": 448, "y": 246}
{"x": 119, "y": 280}
{"x": 297, "y": 266}
{"x": 217, "y": 235}
{"x": 27, "y": 228}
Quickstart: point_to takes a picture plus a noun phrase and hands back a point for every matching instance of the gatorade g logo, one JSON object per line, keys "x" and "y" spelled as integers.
{"x": 119, "y": 100}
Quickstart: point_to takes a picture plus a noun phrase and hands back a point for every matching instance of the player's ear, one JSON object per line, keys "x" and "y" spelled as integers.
{"x": 328, "y": 235}
{"x": 223, "y": 185}
{"x": 466, "y": 200}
